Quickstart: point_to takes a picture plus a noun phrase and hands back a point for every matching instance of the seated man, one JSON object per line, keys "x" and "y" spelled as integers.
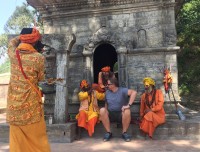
{"x": 89, "y": 110}
{"x": 152, "y": 112}
{"x": 104, "y": 75}
{"x": 117, "y": 108}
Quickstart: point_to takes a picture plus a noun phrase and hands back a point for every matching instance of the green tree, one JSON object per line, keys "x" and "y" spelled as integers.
{"x": 188, "y": 23}
{"x": 3, "y": 42}
{"x": 5, "y": 67}
{"x": 22, "y": 17}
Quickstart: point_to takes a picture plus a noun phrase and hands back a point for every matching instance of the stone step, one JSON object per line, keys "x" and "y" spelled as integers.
{"x": 172, "y": 129}
{"x": 57, "y": 133}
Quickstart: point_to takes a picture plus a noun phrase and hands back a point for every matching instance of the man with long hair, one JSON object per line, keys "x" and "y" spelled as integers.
{"x": 104, "y": 75}
{"x": 152, "y": 112}
{"x": 25, "y": 113}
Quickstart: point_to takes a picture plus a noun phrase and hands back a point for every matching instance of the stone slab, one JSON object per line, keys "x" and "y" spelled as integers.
{"x": 57, "y": 133}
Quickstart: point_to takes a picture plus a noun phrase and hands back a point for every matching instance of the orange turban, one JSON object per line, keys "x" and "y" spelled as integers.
{"x": 84, "y": 84}
{"x": 105, "y": 69}
{"x": 30, "y": 38}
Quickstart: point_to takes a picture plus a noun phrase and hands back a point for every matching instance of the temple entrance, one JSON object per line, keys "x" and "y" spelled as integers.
{"x": 104, "y": 55}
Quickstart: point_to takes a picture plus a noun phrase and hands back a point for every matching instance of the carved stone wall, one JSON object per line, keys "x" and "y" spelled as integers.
{"x": 141, "y": 31}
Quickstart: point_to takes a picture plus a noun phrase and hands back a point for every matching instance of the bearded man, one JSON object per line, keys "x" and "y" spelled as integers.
{"x": 152, "y": 112}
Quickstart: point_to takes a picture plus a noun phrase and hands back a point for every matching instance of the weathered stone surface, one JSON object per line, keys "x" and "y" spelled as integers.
{"x": 142, "y": 33}
{"x": 172, "y": 129}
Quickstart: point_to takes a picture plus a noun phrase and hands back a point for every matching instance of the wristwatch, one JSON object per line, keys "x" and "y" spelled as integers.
{"x": 129, "y": 105}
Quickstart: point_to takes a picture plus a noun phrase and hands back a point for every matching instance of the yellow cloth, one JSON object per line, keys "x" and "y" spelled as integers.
{"x": 23, "y": 105}
{"x": 92, "y": 109}
{"x": 148, "y": 81}
{"x": 89, "y": 111}
{"x": 29, "y": 138}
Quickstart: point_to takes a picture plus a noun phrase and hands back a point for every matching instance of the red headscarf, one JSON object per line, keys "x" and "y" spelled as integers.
{"x": 30, "y": 38}
{"x": 105, "y": 69}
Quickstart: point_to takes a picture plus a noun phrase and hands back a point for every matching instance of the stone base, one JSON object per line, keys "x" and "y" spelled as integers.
{"x": 61, "y": 133}
{"x": 172, "y": 129}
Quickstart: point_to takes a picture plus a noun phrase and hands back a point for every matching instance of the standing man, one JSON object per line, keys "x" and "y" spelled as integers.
{"x": 24, "y": 104}
{"x": 117, "y": 108}
{"x": 152, "y": 112}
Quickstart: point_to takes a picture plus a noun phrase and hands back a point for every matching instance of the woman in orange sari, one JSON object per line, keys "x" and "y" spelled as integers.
{"x": 24, "y": 107}
{"x": 89, "y": 111}
{"x": 152, "y": 112}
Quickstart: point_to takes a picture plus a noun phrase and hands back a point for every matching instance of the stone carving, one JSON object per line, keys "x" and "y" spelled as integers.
{"x": 77, "y": 4}
{"x": 72, "y": 40}
{"x": 142, "y": 38}
{"x": 102, "y": 35}
{"x": 170, "y": 38}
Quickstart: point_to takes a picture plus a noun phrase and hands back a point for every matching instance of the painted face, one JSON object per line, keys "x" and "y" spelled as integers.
{"x": 105, "y": 73}
{"x": 146, "y": 85}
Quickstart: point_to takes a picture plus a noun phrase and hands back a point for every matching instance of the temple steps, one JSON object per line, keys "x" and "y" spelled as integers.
{"x": 172, "y": 129}
{"x": 188, "y": 129}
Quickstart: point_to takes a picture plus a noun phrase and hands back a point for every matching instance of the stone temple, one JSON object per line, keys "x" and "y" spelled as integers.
{"x": 85, "y": 35}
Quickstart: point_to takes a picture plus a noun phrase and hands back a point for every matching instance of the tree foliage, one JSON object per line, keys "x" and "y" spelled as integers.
{"x": 5, "y": 67}
{"x": 3, "y": 41}
{"x": 188, "y": 23}
{"x": 22, "y": 17}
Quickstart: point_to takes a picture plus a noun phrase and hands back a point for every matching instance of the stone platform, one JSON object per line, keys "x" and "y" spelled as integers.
{"x": 174, "y": 128}
{"x": 57, "y": 133}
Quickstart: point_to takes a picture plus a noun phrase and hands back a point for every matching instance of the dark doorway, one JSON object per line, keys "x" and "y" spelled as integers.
{"x": 104, "y": 55}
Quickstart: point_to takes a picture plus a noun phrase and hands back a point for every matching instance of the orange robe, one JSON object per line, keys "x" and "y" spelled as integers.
{"x": 89, "y": 110}
{"x": 154, "y": 117}
{"x": 24, "y": 108}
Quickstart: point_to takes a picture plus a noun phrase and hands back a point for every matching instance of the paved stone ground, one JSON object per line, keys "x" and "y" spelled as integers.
{"x": 118, "y": 145}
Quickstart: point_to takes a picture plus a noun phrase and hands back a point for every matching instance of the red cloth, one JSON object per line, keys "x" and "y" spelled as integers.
{"x": 97, "y": 88}
{"x": 105, "y": 69}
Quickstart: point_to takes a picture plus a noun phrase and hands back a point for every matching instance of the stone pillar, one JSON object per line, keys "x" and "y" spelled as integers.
{"x": 62, "y": 60}
{"x": 122, "y": 76}
{"x": 60, "y": 45}
{"x": 61, "y": 106}
{"x": 88, "y": 71}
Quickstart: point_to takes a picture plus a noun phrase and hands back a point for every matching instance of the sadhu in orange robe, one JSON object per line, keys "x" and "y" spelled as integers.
{"x": 89, "y": 111}
{"x": 24, "y": 108}
{"x": 155, "y": 116}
